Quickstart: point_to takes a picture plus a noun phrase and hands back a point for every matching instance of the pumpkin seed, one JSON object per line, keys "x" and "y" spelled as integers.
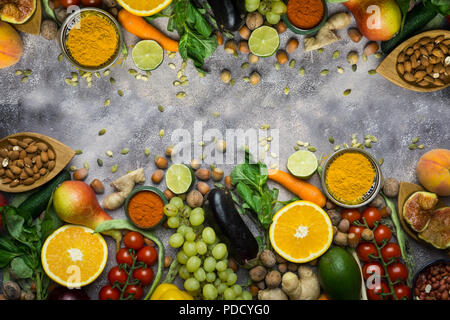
{"x": 232, "y": 82}
{"x": 102, "y": 132}
{"x": 18, "y": 72}
{"x": 312, "y": 149}
{"x": 97, "y": 75}
{"x": 265, "y": 126}
{"x": 296, "y": 148}
{"x": 345, "y": 145}
{"x": 331, "y": 139}
{"x": 78, "y": 152}
{"x": 324, "y": 72}
{"x": 106, "y": 73}
{"x": 161, "y": 108}
{"x": 68, "y": 81}
{"x": 201, "y": 74}
{"x": 181, "y": 95}
{"x": 412, "y": 146}
{"x": 179, "y": 74}
{"x": 302, "y": 71}
{"x": 112, "y": 80}
{"x": 86, "y": 166}
{"x": 161, "y": 133}
{"x": 124, "y": 151}
{"x": 277, "y": 66}
{"x": 354, "y": 67}
{"x": 420, "y": 146}
{"x": 320, "y": 50}
{"x": 172, "y": 66}
{"x": 292, "y": 64}
{"x": 24, "y": 79}
{"x": 286, "y": 90}
{"x": 336, "y": 148}
{"x": 372, "y": 72}
{"x": 216, "y": 114}
{"x": 28, "y": 72}
{"x": 132, "y": 72}
{"x": 368, "y": 143}
{"x": 347, "y": 92}
{"x": 381, "y": 161}
{"x": 184, "y": 83}
{"x": 364, "y": 57}
{"x": 171, "y": 55}
{"x": 114, "y": 168}
{"x": 109, "y": 153}
{"x": 72, "y": 168}
{"x": 244, "y": 65}
{"x": 378, "y": 55}
{"x": 147, "y": 152}
{"x": 60, "y": 57}
{"x": 246, "y": 79}
{"x": 340, "y": 70}
{"x": 183, "y": 78}
{"x": 100, "y": 162}
{"x": 336, "y": 54}
{"x": 176, "y": 83}
{"x": 107, "y": 102}
{"x": 415, "y": 140}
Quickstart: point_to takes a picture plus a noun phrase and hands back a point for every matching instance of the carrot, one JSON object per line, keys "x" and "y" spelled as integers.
{"x": 300, "y": 188}
{"x": 139, "y": 27}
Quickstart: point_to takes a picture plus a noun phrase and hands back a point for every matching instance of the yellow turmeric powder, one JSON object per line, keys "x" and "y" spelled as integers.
{"x": 93, "y": 41}
{"x": 350, "y": 176}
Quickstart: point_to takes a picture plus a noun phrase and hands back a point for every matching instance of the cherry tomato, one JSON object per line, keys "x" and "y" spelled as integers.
{"x": 371, "y": 268}
{"x": 124, "y": 256}
{"x": 389, "y": 251}
{"x": 373, "y": 293}
{"x": 371, "y": 215}
{"x": 3, "y": 202}
{"x": 357, "y": 230}
{"x": 402, "y": 291}
{"x": 118, "y": 275}
{"x": 365, "y": 249}
{"x": 92, "y": 3}
{"x": 382, "y": 233}
{"x": 147, "y": 255}
{"x": 68, "y": 3}
{"x": 133, "y": 240}
{"x": 351, "y": 215}
{"x": 397, "y": 271}
{"x": 109, "y": 293}
{"x": 134, "y": 290}
{"x": 144, "y": 275}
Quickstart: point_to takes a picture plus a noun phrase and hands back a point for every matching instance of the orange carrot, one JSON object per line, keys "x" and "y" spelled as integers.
{"x": 300, "y": 188}
{"x": 139, "y": 27}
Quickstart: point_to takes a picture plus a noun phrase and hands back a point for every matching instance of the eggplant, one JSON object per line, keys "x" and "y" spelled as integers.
{"x": 229, "y": 14}
{"x": 222, "y": 216}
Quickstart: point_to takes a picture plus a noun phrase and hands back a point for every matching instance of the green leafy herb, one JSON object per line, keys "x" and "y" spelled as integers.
{"x": 441, "y": 6}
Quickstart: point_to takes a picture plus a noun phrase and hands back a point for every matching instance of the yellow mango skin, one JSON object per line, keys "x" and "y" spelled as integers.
{"x": 168, "y": 291}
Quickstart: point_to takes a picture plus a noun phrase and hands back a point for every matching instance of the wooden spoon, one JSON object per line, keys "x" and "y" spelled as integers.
{"x": 388, "y": 67}
{"x": 63, "y": 153}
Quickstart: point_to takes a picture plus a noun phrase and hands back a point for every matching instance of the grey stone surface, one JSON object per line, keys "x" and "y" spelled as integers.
{"x": 314, "y": 109}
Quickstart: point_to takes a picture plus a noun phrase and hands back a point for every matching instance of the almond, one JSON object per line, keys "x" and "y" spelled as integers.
{"x": 51, "y": 165}
{"x": 42, "y": 146}
{"x": 28, "y": 181}
{"x": 51, "y": 154}
{"x": 354, "y": 34}
{"x": 31, "y": 149}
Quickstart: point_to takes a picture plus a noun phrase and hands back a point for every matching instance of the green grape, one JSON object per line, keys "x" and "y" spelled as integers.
{"x": 221, "y": 287}
{"x": 251, "y": 5}
{"x": 211, "y": 277}
{"x": 229, "y": 270}
{"x": 191, "y": 284}
{"x": 209, "y": 264}
{"x": 190, "y": 236}
{"x": 196, "y": 218}
{"x": 201, "y": 247}
{"x": 223, "y": 275}
{"x": 182, "y": 257}
{"x": 247, "y": 295}
{"x": 187, "y": 230}
{"x": 200, "y": 275}
{"x": 237, "y": 289}
{"x": 189, "y": 248}
{"x": 208, "y": 235}
{"x": 173, "y": 222}
{"x": 193, "y": 264}
{"x": 177, "y": 202}
{"x": 209, "y": 292}
{"x": 232, "y": 278}
{"x": 182, "y": 229}
{"x": 272, "y": 18}
{"x": 185, "y": 212}
{"x": 217, "y": 282}
{"x": 219, "y": 251}
{"x": 170, "y": 210}
{"x": 228, "y": 294}
{"x": 239, "y": 298}
{"x": 279, "y": 8}
{"x": 184, "y": 273}
{"x": 176, "y": 240}
{"x": 221, "y": 266}
{"x": 265, "y": 6}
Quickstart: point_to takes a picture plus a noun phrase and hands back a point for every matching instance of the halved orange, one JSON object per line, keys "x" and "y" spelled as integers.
{"x": 144, "y": 8}
{"x": 301, "y": 232}
{"x": 74, "y": 256}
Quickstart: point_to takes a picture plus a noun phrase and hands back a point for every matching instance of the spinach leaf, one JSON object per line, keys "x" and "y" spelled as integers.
{"x": 20, "y": 269}
{"x": 6, "y": 257}
{"x": 14, "y": 223}
{"x": 404, "y": 6}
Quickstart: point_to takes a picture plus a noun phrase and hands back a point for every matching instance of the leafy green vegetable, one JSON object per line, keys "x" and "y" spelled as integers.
{"x": 440, "y": 6}
{"x": 404, "y": 6}
{"x": 49, "y": 11}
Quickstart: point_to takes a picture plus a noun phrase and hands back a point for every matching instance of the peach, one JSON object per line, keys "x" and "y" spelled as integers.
{"x": 433, "y": 171}
{"x": 11, "y": 46}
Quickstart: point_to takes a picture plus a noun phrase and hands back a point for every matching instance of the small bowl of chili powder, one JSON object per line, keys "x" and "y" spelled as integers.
{"x": 305, "y": 16}
{"x": 144, "y": 207}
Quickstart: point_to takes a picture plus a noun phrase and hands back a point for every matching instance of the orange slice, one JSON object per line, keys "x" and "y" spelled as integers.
{"x": 301, "y": 232}
{"x": 144, "y": 8}
{"x": 74, "y": 256}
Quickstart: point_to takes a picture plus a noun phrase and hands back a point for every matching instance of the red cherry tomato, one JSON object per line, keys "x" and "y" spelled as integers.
{"x": 401, "y": 291}
{"x": 147, "y": 255}
{"x": 124, "y": 256}
{"x": 397, "y": 271}
{"x": 373, "y": 293}
{"x": 109, "y": 293}
{"x": 68, "y": 3}
{"x": 136, "y": 291}
{"x": 144, "y": 275}
{"x": 371, "y": 215}
{"x": 133, "y": 240}
{"x": 382, "y": 233}
{"x": 371, "y": 268}
{"x": 365, "y": 249}
{"x": 357, "y": 230}
{"x": 92, "y": 3}
{"x": 389, "y": 251}
{"x": 351, "y": 215}
{"x": 3, "y": 202}
{"x": 117, "y": 275}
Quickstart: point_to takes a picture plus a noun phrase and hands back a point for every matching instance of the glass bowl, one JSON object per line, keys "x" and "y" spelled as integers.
{"x": 315, "y": 29}
{"x": 71, "y": 21}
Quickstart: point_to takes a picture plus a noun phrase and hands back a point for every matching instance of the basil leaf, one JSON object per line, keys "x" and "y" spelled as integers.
{"x": 14, "y": 223}
{"x": 6, "y": 257}
{"x": 20, "y": 269}
{"x": 7, "y": 245}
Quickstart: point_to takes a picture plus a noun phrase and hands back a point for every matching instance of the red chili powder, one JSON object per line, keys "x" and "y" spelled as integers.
{"x": 305, "y": 14}
{"x": 146, "y": 209}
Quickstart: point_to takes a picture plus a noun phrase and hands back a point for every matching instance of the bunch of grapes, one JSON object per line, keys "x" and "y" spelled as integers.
{"x": 204, "y": 260}
{"x": 272, "y": 9}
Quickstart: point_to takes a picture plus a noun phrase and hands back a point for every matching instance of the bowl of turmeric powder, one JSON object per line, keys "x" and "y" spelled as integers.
{"x": 305, "y": 16}
{"x": 351, "y": 178}
{"x": 91, "y": 39}
{"x": 144, "y": 207}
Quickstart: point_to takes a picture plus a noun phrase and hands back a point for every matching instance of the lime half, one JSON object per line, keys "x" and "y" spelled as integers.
{"x": 264, "y": 41}
{"x": 302, "y": 164}
{"x": 179, "y": 178}
{"x": 147, "y": 54}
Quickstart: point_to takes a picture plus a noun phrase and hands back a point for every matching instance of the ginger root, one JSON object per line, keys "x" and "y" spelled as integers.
{"x": 272, "y": 294}
{"x": 304, "y": 287}
{"x": 327, "y": 34}
{"x": 124, "y": 185}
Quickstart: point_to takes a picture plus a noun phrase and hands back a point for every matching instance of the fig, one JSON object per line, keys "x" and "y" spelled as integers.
{"x": 17, "y": 11}
{"x": 418, "y": 209}
{"x": 438, "y": 231}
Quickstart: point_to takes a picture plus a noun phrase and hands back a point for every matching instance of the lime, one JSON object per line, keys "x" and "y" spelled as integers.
{"x": 147, "y": 54}
{"x": 179, "y": 178}
{"x": 302, "y": 164}
{"x": 264, "y": 41}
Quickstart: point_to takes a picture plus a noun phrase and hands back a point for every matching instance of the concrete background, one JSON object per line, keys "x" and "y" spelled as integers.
{"x": 314, "y": 110}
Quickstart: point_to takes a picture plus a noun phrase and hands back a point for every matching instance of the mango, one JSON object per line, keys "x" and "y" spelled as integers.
{"x": 11, "y": 47}
{"x": 377, "y": 20}
{"x": 433, "y": 171}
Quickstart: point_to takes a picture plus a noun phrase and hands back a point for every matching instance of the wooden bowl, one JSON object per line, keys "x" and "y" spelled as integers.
{"x": 63, "y": 153}
{"x": 388, "y": 67}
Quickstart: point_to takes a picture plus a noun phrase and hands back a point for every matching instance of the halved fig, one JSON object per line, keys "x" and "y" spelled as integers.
{"x": 438, "y": 231}
{"x": 418, "y": 209}
{"x": 17, "y": 11}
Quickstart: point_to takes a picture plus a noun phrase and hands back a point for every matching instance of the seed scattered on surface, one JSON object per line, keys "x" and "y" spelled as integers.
{"x": 216, "y": 114}
{"x": 265, "y": 126}
{"x": 232, "y": 82}
{"x": 125, "y": 151}
{"x": 73, "y": 168}
{"x": 312, "y": 149}
{"x": 60, "y": 57}
{"x": 120, "y": 93}
{"x": 181, "y": 95}
{"x": 172, "y": 66}
{"x": 336, "y": 54}
{"x": 368, "y": 143}
{"x": 246, "y": 79}
{"x": 412, "y": 146}
{"x": 381, "y": 161}
{"x": 340, "y": 70}
{"x": 161, "y": 133}
{"x": 244, "y": 65}
{"x": 320, "y": 50}
{"x": 171, "y": 55}
{"x": 364, "y": 57}
{"x": 286, "y": 90}
{"x": 420, "y": 146}
{"x": 78, "y": 152}
{"x": 112, "y": 80}
{"x": 302, "y": 71}
{"x": 354, "y": 67}
{"x": 100, "y": 162}
{"x": 225, "y": 76}
{"x": 324, "y": 72}
{"x": 292, "y": 64}
{"x": 102, "y": 132}
{"x": 296, "y": 148}
{"x": 132, "y": 72}
{"x": 114, "y": 168}
{"x": 19, "y": 72}
{"x": 277, "y": 65}
{"x": 28, "y": 72}
{"x": 24, "y": 79}
{"x": 106, "y": 73}
{"x": 86, "y": 166}
{"x": 161, "y": 108}
{"x": 147, "y": 152}
{"x": 347, "y": 92}
{"x": 109, "y": 153}
{"x": 372, "y": 72}
{"x": 201, "y": 74}
{"x": 337, "y": 147}
{"x": 415, "y": 140}
{"x": 176, "y": 83}
{"x": 107, "y": 102}
{"x": 331, "y": 139}
{"x": 97, "y": 75}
